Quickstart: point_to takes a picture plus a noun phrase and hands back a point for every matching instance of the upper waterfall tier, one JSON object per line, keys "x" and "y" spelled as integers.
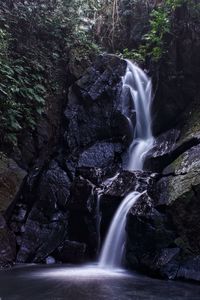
{"x": 140, "y": 89}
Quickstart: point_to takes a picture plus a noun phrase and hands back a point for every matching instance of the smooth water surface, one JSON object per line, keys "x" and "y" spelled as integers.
{"x": 68, "y": 283}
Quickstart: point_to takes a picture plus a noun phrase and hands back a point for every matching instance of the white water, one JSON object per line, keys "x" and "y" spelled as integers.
{"x": 140, "y": 89}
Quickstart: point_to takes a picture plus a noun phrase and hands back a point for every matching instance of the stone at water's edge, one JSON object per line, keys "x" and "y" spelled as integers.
{"x": 71, "y": 252}
{"x": 150, "y": 245}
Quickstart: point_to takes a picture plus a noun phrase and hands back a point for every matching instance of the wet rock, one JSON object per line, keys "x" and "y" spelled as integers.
{"x": 11, "y": 178}
{"x": 124, "y": 183}
{"x": 82, "y": 195}
{"x": 46, "y": 225}
{"x": 168, "y": 226}
{"x": 7, "y": 245}
{"x": 150, "y": 244}
{"x": 167, "y": 262}
{"x": 161, "y": 153}
{"x": 54, "y": 188}
{"x": 94, "y": 175}
{"x": 71, "y": 252}
{"x": 42, "y": 235}
{"x": 102, "y": 77}
{"x": 50, "y": 260}
{"x": 190, "y": 269}
{"x": 184, "y": 180}
{"x": 83, "y": 225}
{"x": 100, "y": 155}
{"x": 114, "y": 190}
{"x": 93, "y": 105}
{"x": 167, "y": 148}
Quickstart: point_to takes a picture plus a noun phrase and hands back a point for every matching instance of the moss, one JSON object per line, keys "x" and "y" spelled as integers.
{"x": 182, "y": 243}
{"x": 192, "y": 123}
{"x": 177, "y": 163}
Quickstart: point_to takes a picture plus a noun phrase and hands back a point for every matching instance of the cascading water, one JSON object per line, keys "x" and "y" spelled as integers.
{"x": 140, "y": 89}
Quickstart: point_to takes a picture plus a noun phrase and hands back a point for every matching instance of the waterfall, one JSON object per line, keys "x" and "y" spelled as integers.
{"x": 135, "y": 103}
{"x": 140, "y": 88}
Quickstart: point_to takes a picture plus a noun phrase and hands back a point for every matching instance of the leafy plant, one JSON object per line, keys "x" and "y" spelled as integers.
{"x": 36, "y": 38}
{"x": 153, "y": 42}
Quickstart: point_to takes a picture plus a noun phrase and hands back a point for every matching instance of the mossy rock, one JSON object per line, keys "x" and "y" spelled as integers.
{"x": 180, "y": 194}
{"x": 191, "y": 127}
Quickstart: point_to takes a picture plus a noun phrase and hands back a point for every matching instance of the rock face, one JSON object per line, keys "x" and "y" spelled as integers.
{"x": 150, "y": 246}
{"x": 56, "y": 215}
{"x": 93, "y": 108}
{"x": 178, "y": 75}
{"x": 163, "y": 227}
{"x": 11, "y": 178}
{"x": 46, "y": 223}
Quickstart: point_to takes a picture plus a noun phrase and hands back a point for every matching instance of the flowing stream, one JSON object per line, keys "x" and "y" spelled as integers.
{"x": 136, "y": 103}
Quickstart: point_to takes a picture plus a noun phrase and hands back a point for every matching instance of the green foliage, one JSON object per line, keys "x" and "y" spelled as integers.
{"x": 22, "y": 97}
{"x": 36, "y": 38}
{"x": 153, "y": 45}
{"x": 132, "y": 54}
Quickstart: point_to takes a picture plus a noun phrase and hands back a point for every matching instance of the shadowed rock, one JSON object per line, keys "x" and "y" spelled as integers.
{"x": 7, "y": 245}
{"x": 71, "y": 252}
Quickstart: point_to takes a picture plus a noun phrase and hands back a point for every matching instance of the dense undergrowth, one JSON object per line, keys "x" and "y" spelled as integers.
{"x": 36, "y": 38}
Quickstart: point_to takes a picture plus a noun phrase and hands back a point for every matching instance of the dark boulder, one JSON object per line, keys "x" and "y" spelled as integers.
{"x": 94, "y": 175}
{"x": 71, "y": 252}
{"x": 161, "y": 154}
{"x": 93, "y": 107}
{"x": 168, "y": 147}
{"x": 42, "y": 235}
{"x": 46, "y": 225}
{"x": 102, "y": 78}
{"x": 100, "y": 155}
{"x": 82, "y": 195}
{"x": 54, "y": 188}
{"x": 124, "y": 182}
{"x": 83, "y": 215}
{"x": 150, "y": 239}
